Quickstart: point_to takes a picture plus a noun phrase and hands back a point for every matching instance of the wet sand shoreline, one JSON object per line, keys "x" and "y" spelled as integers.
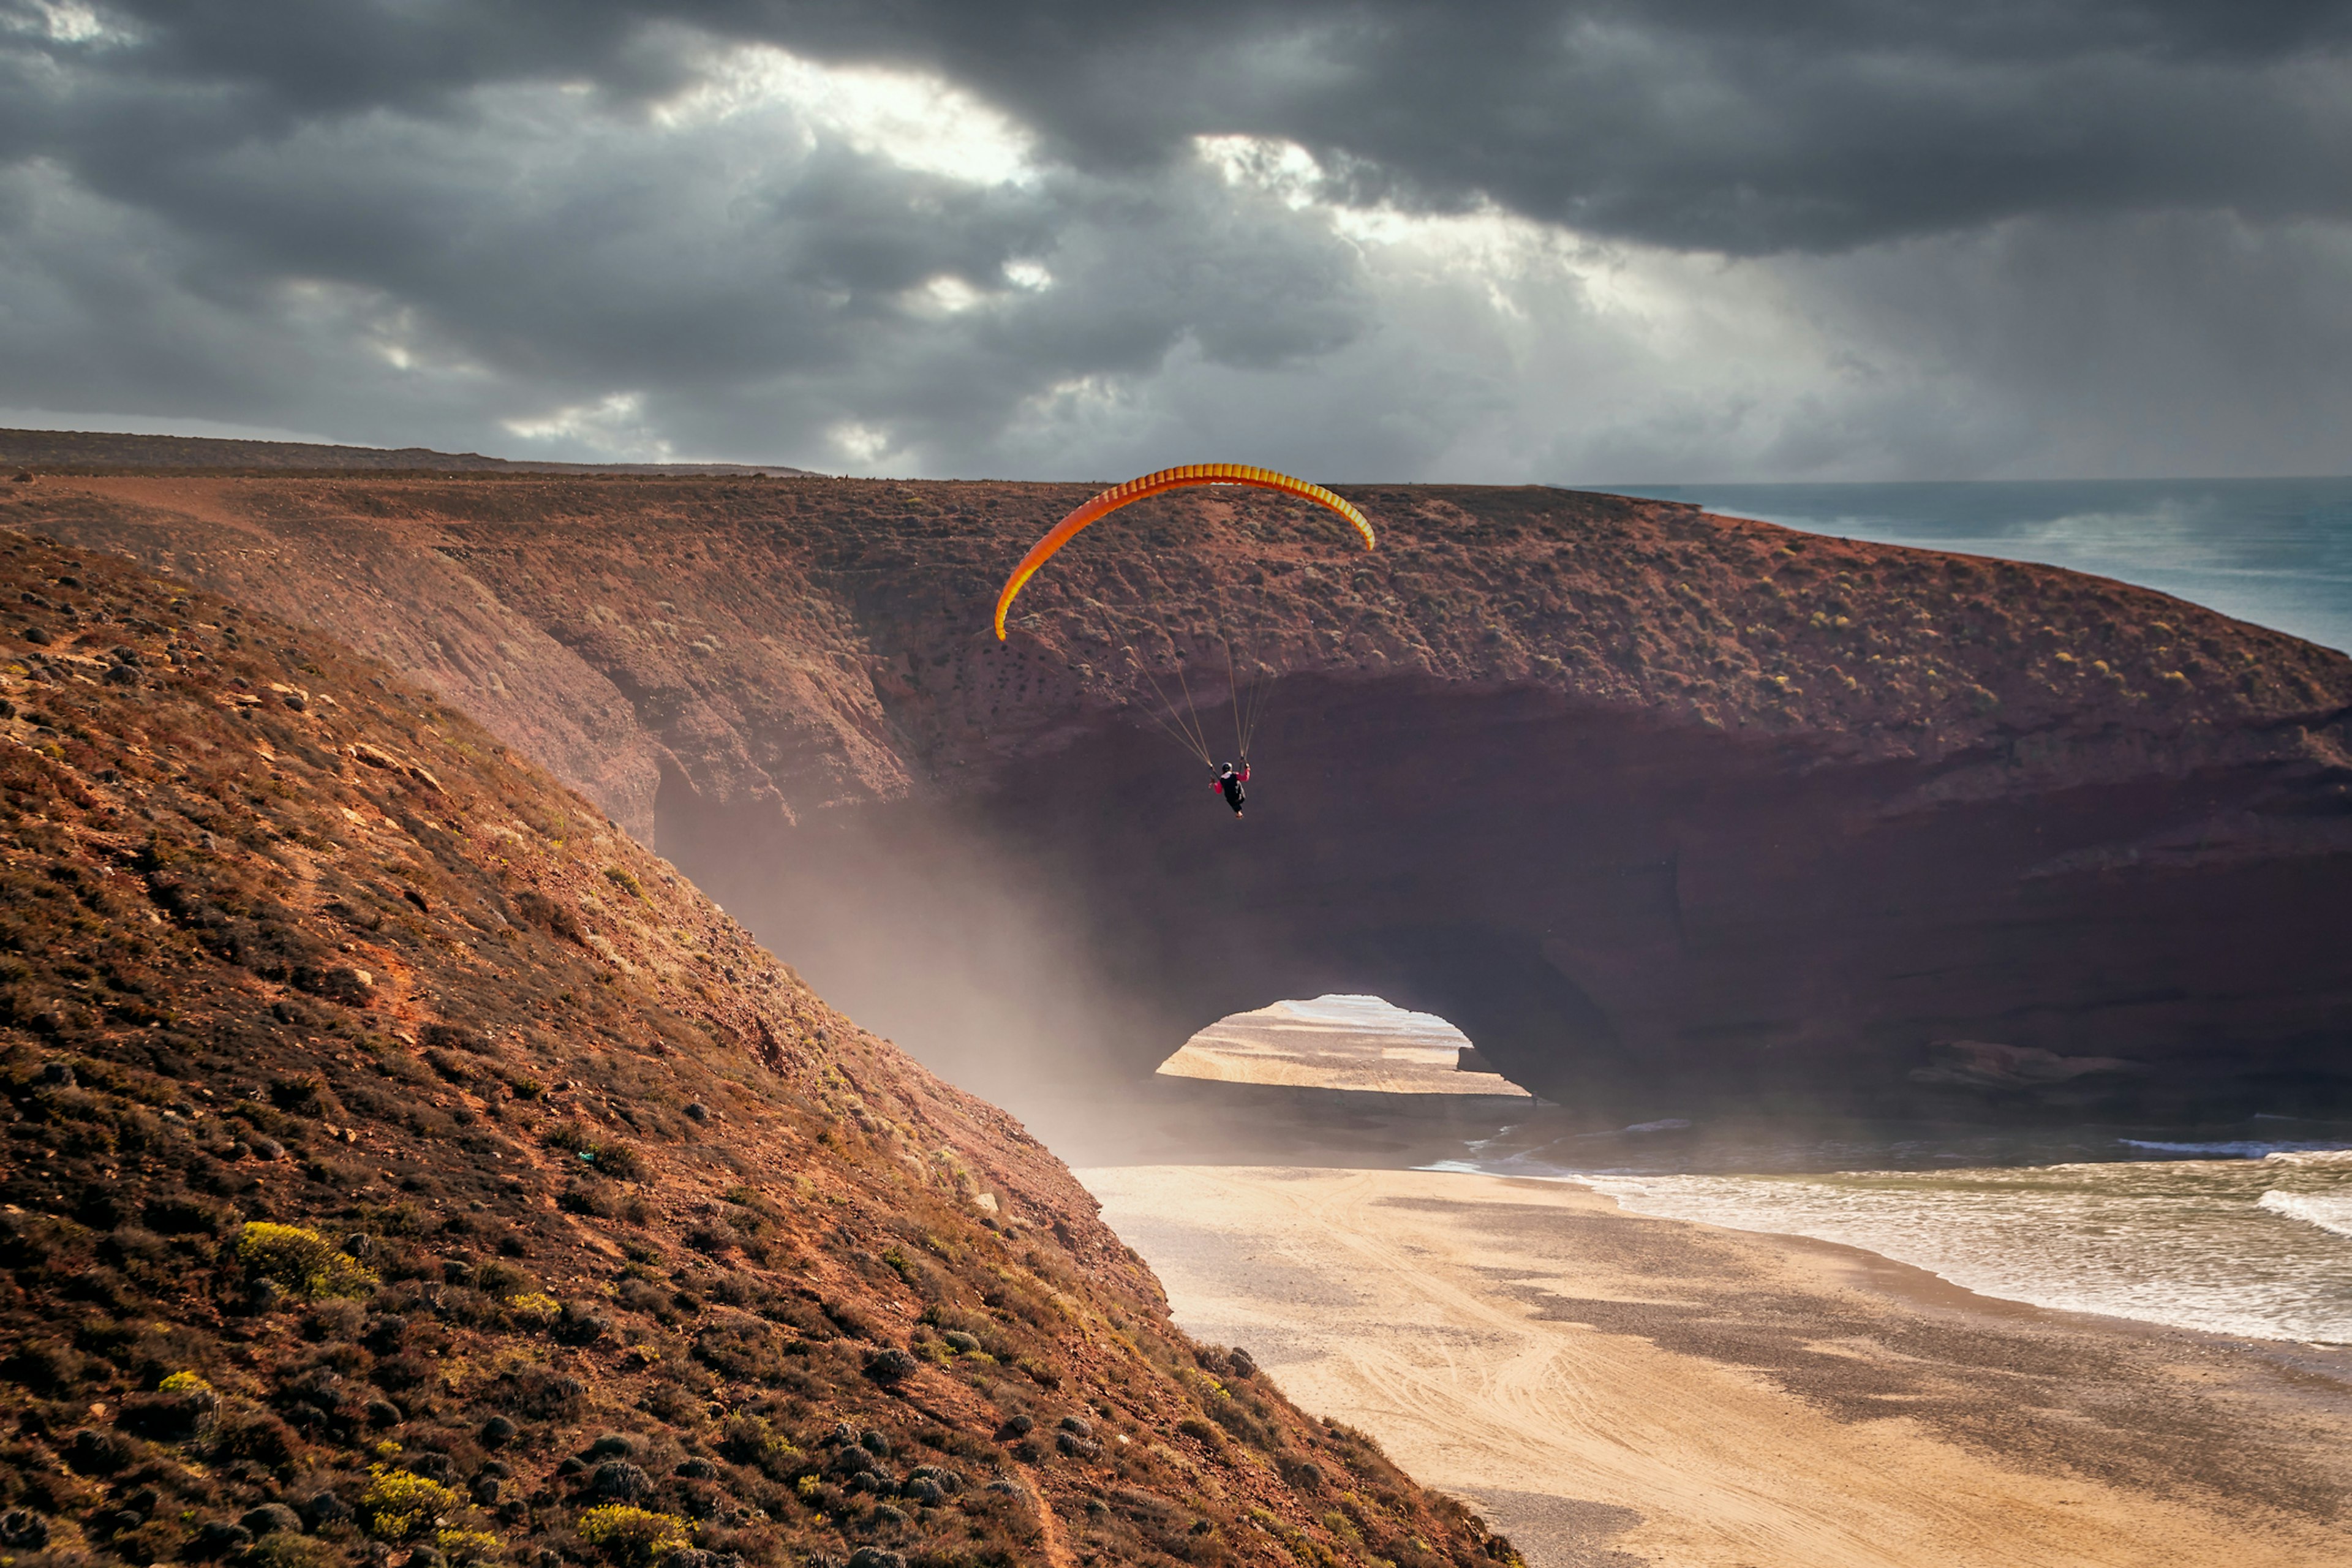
{"x": 1613, "y": 1389}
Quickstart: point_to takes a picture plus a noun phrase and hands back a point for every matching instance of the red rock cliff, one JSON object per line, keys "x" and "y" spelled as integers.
{"x": 1664, "y": 809}
{"x": 395, "y": 1159}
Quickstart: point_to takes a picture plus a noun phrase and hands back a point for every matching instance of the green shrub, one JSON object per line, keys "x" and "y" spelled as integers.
{"x": 286, "y": 1550}
{"x": 595, "y": 1201}
{"x": 617, "y": 1160}
{"x": 1200, "y": 1432}
{"x": 747, "y": 1439}
{"x": 501, "y": 1280}
{"x": 569, "y": 1135}
{"x": 621, "y": 1162}
{"x": 301, "y": 1260}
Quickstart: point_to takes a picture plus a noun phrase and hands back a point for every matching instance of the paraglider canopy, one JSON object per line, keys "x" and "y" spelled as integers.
{"x": 1111, "y": 500}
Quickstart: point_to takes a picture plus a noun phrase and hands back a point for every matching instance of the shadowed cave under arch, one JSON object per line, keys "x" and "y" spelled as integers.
{"x": 1635, "y": 918}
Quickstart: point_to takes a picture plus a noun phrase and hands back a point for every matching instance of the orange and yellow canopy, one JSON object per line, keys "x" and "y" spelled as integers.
{"x": 1118, "y": 496}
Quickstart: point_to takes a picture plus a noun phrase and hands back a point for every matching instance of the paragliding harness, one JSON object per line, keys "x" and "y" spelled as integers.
{"x": 1249, "y": 697}
{"x": 1182, "y": 724}
{"x": 1229, "y": 783}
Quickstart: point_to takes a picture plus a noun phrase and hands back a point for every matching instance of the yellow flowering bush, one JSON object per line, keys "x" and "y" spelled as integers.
{"x": 401, "y": 1506}
{"x": 632, "y": 1537}
{"x": 1207, "y": 1387}
{"x": 301, "y": 1260}
{"x": 468, "y": 1545}
{"x": 534, "y": 1309}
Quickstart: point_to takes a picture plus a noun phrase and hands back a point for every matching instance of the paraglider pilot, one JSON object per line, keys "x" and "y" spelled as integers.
{"x": 1230, "y": 780}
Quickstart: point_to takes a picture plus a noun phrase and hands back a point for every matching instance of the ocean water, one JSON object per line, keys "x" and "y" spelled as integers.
{"x": 1377, "y": 1016}
{"x": 2242, "y": 1233}
{"x": 2247, "y": 1232}
{"x": 2274, "y": 551}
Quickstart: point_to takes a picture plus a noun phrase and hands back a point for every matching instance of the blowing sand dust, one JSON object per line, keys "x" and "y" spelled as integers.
{"x": 1614, "y": 1390}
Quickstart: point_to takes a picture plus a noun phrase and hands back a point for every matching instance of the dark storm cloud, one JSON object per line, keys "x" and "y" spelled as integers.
{"x": 541, "y": 236}
{"x": 470, "y": 224}
{"x": 1729, "y": 126}
{"x": 1709, "y": 124}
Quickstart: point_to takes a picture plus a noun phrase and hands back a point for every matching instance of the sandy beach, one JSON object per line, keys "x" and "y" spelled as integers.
{"x": 1613, "y": 1390}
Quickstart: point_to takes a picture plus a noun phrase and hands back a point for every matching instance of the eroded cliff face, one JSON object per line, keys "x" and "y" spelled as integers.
{"x": 396, "y": 1158}
{"x": 1667, "y": 811}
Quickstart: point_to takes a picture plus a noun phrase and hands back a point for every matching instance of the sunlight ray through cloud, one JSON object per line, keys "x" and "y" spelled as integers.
{"x": 613, "y": 426}
{"x": 64, "y": 22}
{"x": 916, "y": 121}
{"x": 1547, "y": 246}
{"x": 861, "y": 443}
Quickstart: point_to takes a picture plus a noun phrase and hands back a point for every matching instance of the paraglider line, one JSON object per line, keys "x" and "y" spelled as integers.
{"x": 1188, "y": 722}
{"x": 1170, "y": 724}
{"x": 1191, "y": 710}
{"x": 1234, "y": 684}
{"x": 1249, "y": 700}
{"x": 1197, "y": 745}
{"x": 1261, "y": 698}
{"x": 1167, "y": 726}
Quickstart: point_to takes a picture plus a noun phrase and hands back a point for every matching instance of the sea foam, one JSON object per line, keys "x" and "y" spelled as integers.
{"x": 2329, "y": 1212}
{"x": 2322, "y": 1157}
{"x": 2235, "y": 1147}
{"x": 2224, "y": 1246}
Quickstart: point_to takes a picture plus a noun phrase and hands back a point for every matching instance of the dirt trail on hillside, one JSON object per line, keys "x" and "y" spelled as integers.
{"x": 1616, "y": 1390}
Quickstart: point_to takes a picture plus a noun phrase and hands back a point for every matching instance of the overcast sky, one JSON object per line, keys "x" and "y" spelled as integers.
{"x": 1499, "y": 241}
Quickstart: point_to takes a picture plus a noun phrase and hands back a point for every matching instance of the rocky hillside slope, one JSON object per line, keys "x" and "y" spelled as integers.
{"x": 1664, "y": 809}
{"x": 399, "y": 1160}
{"x": 77, "y": 451}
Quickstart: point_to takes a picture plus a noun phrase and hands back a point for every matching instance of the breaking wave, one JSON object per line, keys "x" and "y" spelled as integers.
{"x": 2235, "y": 1147}
{"x": 2329, "y": 1213}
